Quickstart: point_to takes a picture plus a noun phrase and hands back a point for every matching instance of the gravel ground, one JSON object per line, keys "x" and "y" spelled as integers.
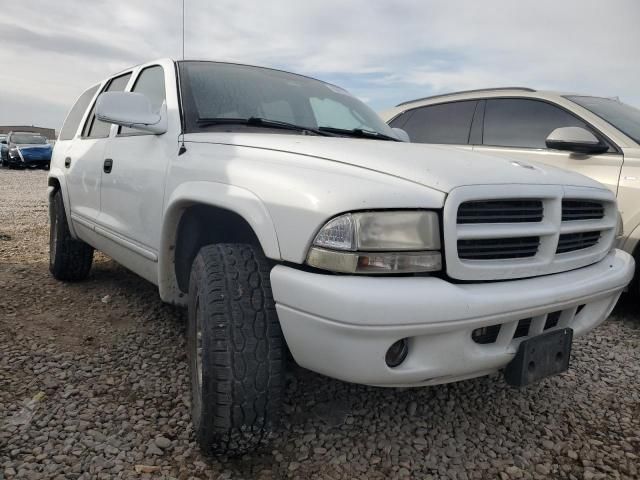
{"x": 94, "y": 384}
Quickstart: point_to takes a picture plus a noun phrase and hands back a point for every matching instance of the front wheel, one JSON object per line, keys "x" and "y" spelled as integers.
{"x": 69, "y": 259}
{"x": 235, "y": 347}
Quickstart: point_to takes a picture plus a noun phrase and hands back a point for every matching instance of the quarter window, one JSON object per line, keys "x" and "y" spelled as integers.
{"x": 74, "y": 117}
{"x": 94, "y": 128}
{"x": 523, "y": 123}
{"x": 447, "y": 123}
{"x": 150, "y": 82}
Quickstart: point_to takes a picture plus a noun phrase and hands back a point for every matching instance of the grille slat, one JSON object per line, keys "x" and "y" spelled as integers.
{"x": 581, "y": 210}
{"x": 570, "y": 242}
{"x": 500, "y": 211}
{"x": 498, "y": 248}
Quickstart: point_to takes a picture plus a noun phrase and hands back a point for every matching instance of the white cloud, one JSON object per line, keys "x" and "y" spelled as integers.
{"x": 385, "y": 52}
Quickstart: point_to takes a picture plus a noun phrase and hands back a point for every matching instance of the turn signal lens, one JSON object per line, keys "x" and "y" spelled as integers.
{"x": 374, "y": 262}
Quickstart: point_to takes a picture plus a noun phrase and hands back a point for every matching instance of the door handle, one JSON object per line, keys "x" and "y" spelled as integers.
{"x": 67, "y": 162}
{"x": 108, "y": 164}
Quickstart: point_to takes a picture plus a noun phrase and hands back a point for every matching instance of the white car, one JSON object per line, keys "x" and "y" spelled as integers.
{"x": 285, "y": 214}
{"x": 595, "y": 136}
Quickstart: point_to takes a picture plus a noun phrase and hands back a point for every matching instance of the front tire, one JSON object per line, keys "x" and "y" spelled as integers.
{"x": 69, "y": 259}
{"x": 236, "y": 349}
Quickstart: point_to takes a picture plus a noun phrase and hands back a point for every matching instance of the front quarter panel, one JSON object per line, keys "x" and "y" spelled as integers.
{"x": 629, "y": 198}
{"x": 300, "y": 193}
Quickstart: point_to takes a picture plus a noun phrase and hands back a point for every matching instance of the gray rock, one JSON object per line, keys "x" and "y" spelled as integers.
{"x": 162, "y": 442}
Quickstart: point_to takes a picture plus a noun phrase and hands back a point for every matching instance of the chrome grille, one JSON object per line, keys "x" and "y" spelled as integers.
{"x": 500, "y": 211}
{"x": 496, "y": 248}
{"x": 570, "y": 242}
{"x": 573, "y": 209}
{"x": 500, "y": 232}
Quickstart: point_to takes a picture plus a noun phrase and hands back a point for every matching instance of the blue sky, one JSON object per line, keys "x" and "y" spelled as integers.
{"x": 383, "y": 52}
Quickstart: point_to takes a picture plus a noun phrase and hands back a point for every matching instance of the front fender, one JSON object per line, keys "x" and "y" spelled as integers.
{"x": 57, "y": 175}
{"x": 235, "y": 199}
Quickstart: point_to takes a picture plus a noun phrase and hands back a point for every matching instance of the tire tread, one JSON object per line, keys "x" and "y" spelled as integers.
{"x": 243, "y": 360}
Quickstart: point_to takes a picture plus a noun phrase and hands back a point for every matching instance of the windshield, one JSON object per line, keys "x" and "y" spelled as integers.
{"x": 624, "y": 117}
{"x": 27, "y": 139}
{"x": 214, "y": 90}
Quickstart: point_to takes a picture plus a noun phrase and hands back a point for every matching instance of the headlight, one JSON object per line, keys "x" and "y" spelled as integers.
{"x": 13, "y": 152}
{"x": 378, "y": 242}
{"x": 619, "y": 227}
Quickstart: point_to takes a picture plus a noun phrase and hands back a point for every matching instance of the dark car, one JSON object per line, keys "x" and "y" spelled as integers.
{"x": 28, "y": 150}
{"x": 3, "y": 149}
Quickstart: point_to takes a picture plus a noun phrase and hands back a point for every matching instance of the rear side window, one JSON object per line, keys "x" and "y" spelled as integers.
{"x": 448, "y": 123}
{"x": 74, "y": 117}
{"x": 94, "y": 128}
{"x": 524, "y": 123}
{"x": 150, "y": 82}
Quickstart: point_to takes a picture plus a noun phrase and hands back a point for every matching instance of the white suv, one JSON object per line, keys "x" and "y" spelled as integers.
{"x": 595, "y": 136}
{"x": 285, "y": 214}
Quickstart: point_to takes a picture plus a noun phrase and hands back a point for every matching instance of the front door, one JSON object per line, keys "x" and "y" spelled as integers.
{"x": 132, "y": 194}
{"x": 517, "y": 128}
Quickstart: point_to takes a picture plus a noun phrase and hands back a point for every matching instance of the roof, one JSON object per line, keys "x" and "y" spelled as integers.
{"x": 495, "y": 89}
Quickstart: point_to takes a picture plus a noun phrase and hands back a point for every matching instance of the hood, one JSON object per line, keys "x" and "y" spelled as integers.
{"x": 441, "y": 168}
{"x": 22, "y": 146}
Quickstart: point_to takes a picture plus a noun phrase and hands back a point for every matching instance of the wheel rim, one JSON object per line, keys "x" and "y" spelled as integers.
{"x": 198, "y": 346}
{"x": 196, "y": 373}
{"x": 53, "y": 244}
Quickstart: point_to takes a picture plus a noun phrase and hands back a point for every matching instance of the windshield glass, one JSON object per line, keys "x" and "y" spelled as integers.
{"x": 624, "y": 117}
{"x": 214, "y": 90}
{"x": 27, "y": 138}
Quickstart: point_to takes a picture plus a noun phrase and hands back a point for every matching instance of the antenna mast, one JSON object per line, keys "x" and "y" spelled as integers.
{"x": 182, "y": 29}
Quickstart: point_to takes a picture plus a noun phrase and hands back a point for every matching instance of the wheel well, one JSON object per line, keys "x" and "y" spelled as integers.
{"x": 53, "y": 182}
{"x": 202, "y": 225}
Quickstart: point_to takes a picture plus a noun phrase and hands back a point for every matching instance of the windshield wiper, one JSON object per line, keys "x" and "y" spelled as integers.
{"x": 360, "y": 133}
{"x": 261, "y": 122}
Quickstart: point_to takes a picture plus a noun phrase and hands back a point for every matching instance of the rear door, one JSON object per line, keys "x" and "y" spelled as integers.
{"x": 83, "y": 160}
{"x": 517, "y": 128}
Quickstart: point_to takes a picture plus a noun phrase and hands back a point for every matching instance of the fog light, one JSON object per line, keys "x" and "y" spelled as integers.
{"x": 397, "y": 353}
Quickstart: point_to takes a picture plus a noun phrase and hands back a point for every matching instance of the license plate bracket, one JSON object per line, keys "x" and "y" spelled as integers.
{"x": 540, "y": 357}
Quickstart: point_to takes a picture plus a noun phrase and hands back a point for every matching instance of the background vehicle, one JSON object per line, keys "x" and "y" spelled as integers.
{"x": 3, "y": 149}
{"x": 28, "y": 150}
{"x": 283, "y": 213}
{"x": 598, "y": 137}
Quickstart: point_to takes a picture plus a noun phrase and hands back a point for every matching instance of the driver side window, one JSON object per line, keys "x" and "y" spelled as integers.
{"x": 524, "y": 123}
{"x": 150, "y": 83}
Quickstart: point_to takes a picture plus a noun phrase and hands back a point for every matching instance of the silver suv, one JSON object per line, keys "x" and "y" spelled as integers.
{"x": 598, "y": 137}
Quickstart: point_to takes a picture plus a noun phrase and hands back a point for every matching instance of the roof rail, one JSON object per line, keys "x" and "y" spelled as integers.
{"x": 524, "y": 89}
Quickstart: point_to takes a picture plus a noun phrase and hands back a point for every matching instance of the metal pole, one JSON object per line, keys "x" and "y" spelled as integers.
{"x": 182, "y": 29}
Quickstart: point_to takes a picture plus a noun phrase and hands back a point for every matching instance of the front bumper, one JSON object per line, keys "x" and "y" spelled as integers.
{"x": 342, "y": 326}
{"x": 27, "y": 159}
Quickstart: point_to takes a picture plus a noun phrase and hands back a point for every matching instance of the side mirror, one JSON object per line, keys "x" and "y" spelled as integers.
{"x": 575, "y": 139}
{"x": 401, "y": 134}
{"x": 132, "y": 110}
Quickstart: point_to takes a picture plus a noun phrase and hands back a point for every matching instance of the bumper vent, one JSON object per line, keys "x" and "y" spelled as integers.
{"x": 498, "y": 248}
{"x": 581, "y": 210}
{"x": 500, "y": 211}
{"x": 570, "y": 242}
{"x": 525, "y": 327}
